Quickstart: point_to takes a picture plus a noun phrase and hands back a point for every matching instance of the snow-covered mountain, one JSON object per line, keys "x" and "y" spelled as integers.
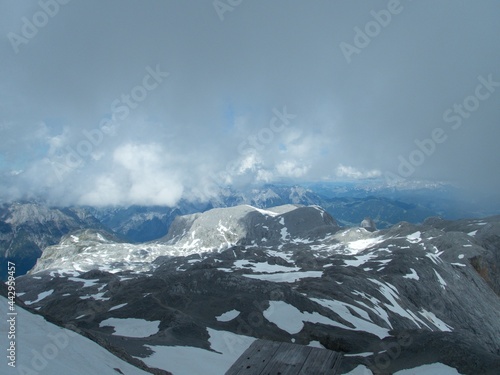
{"x": 411, "y": 296}
{"x": 223, "y": 227}
{"x": 214, "y": 230}
{"x": 27, "y": 228}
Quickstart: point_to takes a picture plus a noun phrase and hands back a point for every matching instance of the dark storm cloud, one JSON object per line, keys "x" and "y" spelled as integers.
{"x": 81, "y": 122}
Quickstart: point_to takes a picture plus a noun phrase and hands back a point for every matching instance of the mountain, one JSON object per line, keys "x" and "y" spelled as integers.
{"x": 348, "y": 204}
{"x": 240, "y": 225}
{"x": 38, "y": 225}
{"x": 413, "y": 296}
{"x": 138, "y": 223}
{"x": 27, "y": 228}
{"x": 216, "y": 229}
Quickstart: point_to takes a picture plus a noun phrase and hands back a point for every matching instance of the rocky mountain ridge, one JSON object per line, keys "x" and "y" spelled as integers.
{"x": 392, "y": 299}
{"x": 26, "y": 228}
{"x": 349, "y": 206}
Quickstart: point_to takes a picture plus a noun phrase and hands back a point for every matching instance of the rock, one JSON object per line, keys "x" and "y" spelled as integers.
{"x": 368, "y": 224}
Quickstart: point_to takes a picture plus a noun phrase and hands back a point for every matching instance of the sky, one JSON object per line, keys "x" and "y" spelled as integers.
{"x": 124, "y": 102}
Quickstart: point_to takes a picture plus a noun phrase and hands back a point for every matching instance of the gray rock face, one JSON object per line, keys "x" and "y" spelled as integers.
{"x": 223, "y": 227}
{"x": 393, "y": 299}
{"x": 485, "y": 247}
{"x": 368, "y": 224}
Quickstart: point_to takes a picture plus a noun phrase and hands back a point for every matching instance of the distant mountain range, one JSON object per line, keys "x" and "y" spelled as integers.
{"x": 26, "y": 228}
{"x": 349, "y": 204}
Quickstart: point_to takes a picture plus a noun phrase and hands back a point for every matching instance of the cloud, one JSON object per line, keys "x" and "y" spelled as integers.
{"x": 355, "y": 174}
{"x": 142, "y": 174}
{"x": 184, "y": 137}
{"x": 289, "y": 168}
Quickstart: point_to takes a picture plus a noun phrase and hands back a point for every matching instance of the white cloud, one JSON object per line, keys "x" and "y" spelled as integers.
{"x": 289, "y": 168}
{"x": 356, "y": 174}
{"x": 106, "y": 191}
{"x": 264, "y": 176}
{"x": 57, "y": 142}
{"x": 142, "y": 174}
{"x": 249, "y": 163}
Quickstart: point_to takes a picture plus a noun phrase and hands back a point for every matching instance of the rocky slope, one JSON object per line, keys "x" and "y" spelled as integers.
{"x": 27, "y": 228}
{"x": 42, "y": 347}
{"x": 408, "y": 296}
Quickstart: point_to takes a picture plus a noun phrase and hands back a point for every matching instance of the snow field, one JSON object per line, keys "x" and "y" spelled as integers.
{"x": 44, "y": 348}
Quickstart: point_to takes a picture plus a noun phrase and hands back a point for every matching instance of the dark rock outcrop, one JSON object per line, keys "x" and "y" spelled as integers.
{"x": 368, "y": 224}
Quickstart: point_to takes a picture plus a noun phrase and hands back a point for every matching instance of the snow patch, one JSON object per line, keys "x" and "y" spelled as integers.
{"x": 264, "y": 212}
{"x": 362, "y": 259}
{"x": 435, "y": 258}
{"x": 316, "y": 344}
{"x": 359, "y": 245}
{"x": 390, "y": 293}
{"x": 187, "y": 360}
{"x": 228, "y": 316}
{"x": 377, "y": 309}
{"x": 290, "y": 319}
{"x": 414, "y": 237}
{"x": 99, "y": 297}
{"x": 284, "y": 277}
{"x": 431, "y": 317}
{"x": 118, "y": 306}
{"x": 360, "y": 324}
{"x": 86, "y": 283}
{"x": 131, "y": 327}
{"x": 264, "y": 267}
{"x": 441, "y": 280}
{"x": 284, "y": 233}
{"x": 360, "y": 370}
{"x": 365, "y": 354}
{"x": 432, "y": 369}
{"x": 40, "y": 297}
{"x": 412, "y": 275}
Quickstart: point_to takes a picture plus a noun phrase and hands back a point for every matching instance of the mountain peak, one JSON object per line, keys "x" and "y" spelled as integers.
{"x": 220, "y": 228}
